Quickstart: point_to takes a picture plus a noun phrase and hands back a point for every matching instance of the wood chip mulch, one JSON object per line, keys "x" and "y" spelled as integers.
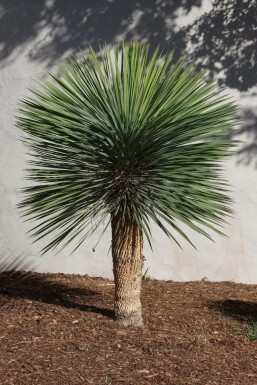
{"x": 59, "y": 329}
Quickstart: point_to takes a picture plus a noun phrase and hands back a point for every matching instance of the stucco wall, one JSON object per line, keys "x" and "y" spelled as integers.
{"x": 219, "y": 35}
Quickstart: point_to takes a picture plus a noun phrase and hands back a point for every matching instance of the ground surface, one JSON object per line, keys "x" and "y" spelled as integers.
{"x": 59, "y": 329}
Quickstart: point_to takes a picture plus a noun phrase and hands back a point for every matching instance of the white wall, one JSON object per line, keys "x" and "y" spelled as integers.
{"x": 220, "y": 38}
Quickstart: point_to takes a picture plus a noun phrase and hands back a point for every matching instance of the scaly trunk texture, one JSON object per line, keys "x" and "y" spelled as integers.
{"x": 127, "y": 244}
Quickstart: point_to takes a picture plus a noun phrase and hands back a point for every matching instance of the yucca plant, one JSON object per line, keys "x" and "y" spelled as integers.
{"x": 127, "y": 139}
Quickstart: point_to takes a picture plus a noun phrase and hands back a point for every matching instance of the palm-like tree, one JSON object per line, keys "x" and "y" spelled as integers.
{"x": 126, "y": 138}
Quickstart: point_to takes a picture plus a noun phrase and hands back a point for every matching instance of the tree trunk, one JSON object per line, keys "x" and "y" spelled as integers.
{"x": 127, "y": 243}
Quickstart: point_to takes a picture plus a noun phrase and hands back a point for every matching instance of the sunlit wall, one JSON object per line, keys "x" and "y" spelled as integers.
{"x": 219, "y": 36}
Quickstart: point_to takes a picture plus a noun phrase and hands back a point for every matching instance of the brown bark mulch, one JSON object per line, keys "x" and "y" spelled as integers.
{"x": 59, "y": 329}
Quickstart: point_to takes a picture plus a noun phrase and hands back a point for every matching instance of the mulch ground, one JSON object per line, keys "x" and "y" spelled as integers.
{"x": 59, "y": 329}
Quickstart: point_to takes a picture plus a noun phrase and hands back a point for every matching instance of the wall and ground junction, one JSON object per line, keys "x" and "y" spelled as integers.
{"x": 220, "y": 36}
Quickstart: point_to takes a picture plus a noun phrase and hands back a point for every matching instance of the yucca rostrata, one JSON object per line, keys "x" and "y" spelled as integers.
{"x": 126, "y": 138}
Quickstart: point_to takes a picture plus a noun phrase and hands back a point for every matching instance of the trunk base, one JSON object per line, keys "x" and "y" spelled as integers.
{"x": 130, "y": 318}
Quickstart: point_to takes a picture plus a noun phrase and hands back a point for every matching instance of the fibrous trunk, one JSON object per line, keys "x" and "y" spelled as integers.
{"x": 127, "y": 243}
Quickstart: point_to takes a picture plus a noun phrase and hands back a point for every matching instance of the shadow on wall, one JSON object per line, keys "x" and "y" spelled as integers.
{"x": 223, "y": 39}
{"x": 225, "y": 42}
{"x": 18, "y": 263}
{"x": 62, "y": 27}
{"x": 247, "y": 153}
{"x": 220, "y": 35}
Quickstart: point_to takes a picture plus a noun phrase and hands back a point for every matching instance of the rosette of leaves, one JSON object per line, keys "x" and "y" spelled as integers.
{"x": 126, "y": 138}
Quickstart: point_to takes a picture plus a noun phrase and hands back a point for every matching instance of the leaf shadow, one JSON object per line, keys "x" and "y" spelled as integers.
{"x": 40, "y": 288}
{"x": 243, "y": 311}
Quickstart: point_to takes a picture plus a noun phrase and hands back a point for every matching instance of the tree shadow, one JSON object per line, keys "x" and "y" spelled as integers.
{"x": 243, "y": 311}
{"x": 222, "y": 39}
{"x": 36, "y": 287}
{"x": 61, "y": 27}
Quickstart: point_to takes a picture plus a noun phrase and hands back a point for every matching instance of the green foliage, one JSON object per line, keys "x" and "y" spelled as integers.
{"x": 145, "y": 276}
{"x": 250, "y": 331}
{"x": 129, "y": 135}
